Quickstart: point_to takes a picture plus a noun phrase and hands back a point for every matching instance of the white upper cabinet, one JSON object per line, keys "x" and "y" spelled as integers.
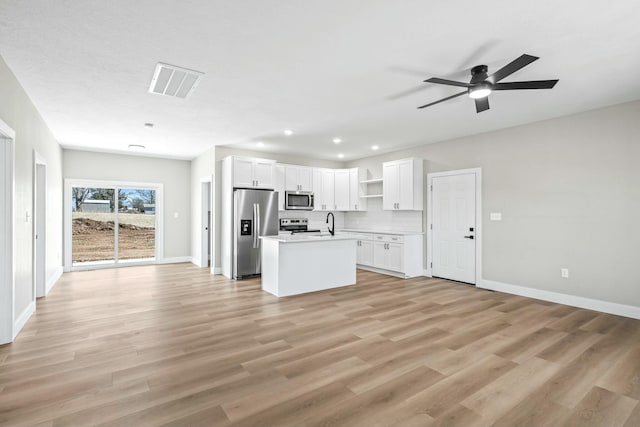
{"x": 402, "y": 185}
{"x": 253, "y": 173}
{"x": 341, "y": 196}
{"x": 357, "y": 190}
{"x": 324, "y": 189}
{"x": 298, "y": 178}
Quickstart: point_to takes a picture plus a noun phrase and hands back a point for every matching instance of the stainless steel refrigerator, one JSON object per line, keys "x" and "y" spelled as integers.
{"x": 255, "y": 214}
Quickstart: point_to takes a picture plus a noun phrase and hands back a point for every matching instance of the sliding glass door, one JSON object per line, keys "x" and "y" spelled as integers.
{"x": 112, "y": 224}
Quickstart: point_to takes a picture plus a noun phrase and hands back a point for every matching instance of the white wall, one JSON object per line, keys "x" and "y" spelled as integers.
{"x": 202, "y": 167}
{"x": 175, "y": 175}
{"x": 569, "y": 193}
{"x": 32, "y": 133}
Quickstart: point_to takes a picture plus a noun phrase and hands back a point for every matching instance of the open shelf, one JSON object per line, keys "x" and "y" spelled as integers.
{"x": 371, "y": 181}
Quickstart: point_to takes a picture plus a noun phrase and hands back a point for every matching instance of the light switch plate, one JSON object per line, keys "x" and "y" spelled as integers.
{"x": 495, "y": 216}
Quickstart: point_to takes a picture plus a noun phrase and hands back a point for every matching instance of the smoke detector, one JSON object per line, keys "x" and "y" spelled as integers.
{"x": 171, "y": 80}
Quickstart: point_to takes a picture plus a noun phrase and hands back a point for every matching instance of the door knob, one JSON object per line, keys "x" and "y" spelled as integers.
{"x": 468, "y": 237}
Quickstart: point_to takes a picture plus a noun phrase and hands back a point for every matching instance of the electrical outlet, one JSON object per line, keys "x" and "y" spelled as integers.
{"x": 564, "y": 273}
{"x": 495, "y": 216}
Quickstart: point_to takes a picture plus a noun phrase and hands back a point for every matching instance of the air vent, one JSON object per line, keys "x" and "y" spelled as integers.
{"x": 175, "y": 81}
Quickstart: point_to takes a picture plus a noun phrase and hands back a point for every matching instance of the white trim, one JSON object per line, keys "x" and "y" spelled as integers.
{"x": 204, "y": 217}
{"x": 478, "y": 232}
{"x": 69, "y": 183}
{"x": 217, "y": 270}
{"x": 175, "y": 260}
{"x": 53, "y": 279}
{"x": 427, "y": 273}
{"x": 572, "y": 300}
{"x": 7, "y": 241}
{"x": 23, "y": 318}
{"x": 382, "y": 271}
{"x": 38, "y": 160}
{"x": 194, "y": 260}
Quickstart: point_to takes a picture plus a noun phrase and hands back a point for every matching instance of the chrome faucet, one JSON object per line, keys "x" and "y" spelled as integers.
{"x": 331, "y": 229}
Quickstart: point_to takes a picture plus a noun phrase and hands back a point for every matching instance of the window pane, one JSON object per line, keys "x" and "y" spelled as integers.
{"x": 93, "y": 219}
{"x": 137, "y": 224}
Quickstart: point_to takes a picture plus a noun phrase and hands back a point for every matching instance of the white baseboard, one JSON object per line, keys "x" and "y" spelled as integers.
{"x": 53, "y": 279}
{"x": 194, "y": 260}
{"x": 382, "y": 271}
{"x": 427, "y": 273}
{"x": 572, "y": 300}
{"x": 23, "y": 318}
{"x": 217, "y": 270}
{"x": 175, "y": 260}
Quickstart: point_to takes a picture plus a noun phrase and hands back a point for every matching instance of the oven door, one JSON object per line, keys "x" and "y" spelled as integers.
{"x": 298, "y": 200}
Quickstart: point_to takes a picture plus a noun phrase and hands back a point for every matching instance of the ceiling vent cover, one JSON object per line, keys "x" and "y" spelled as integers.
{"x": 171, "y": 80}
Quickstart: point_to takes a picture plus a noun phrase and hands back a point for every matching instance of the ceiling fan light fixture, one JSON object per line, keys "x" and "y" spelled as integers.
{"x": 481, "y": 90}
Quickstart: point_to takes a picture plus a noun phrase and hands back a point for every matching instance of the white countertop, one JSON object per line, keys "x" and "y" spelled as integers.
{"x": 301, "y": 238}
{"x": 396, "y": 233}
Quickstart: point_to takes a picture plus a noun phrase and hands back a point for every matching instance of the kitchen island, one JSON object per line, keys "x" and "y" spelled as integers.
{"x": 297, "y": 264}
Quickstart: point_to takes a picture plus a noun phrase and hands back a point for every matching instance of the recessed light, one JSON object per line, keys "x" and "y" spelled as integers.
{"x": 260, "y": 144}
{"x": 149, "y": 125}
{"x": 374, "y": 147}
{"x": 136, "y": 147}
{"x": 337, "y": 140}
{"x": 340, "y": 156}
{"x": 288, "y": 132}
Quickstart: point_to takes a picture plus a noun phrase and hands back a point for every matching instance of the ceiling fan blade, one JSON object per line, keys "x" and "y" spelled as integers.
{"x": 407, "y": 92}
{"x": 444, "y": 99}
{"x": 482, "y": 104}
{"x": 537, "y": 84}
{"x": 512, "y": 67}
{"x": 446, "y": 82}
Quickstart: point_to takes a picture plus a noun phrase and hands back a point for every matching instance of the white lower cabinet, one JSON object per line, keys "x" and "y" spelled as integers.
{"x": 398, "y": 255}
{"x": 364, "y": 252}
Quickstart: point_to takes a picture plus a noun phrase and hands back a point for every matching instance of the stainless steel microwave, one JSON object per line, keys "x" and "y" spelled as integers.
{"x": 298, "y": 200}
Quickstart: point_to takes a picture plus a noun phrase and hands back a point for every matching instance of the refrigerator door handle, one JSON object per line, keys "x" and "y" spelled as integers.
{"x": 256, "y": 224}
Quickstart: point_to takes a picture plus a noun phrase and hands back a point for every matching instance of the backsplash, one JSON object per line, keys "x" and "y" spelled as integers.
{"x": 377, "y": 219}
{"x": 373, "y": 219}
{"x": 317, "y": 220}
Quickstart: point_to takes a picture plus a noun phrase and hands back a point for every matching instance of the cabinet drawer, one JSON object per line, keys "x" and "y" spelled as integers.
{"x": 361, "y": 236}
{"x": 391, "y": 238}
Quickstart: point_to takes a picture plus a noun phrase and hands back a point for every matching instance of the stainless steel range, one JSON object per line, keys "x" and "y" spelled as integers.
{"x": 295, "y": 225}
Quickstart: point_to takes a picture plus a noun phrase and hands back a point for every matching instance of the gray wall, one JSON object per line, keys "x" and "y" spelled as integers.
{"x": 569, "y": 193}
{"x": 32, "y": 134}
{"x": 174, "y": 174}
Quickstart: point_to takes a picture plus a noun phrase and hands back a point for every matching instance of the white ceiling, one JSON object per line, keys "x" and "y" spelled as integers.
{"x": 324, "y": 68}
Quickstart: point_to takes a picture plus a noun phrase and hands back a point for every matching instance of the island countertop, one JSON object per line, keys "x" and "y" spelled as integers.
{"x": 301, "y": 238}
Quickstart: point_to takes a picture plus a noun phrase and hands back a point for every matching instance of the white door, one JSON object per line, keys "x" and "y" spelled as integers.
{"x": 280, "y": 185}
{"x": 40, "y": 229}
{"x": 454, "y": 226}
{"x": 291, "y": 178}
{"x": 365, "y": 252}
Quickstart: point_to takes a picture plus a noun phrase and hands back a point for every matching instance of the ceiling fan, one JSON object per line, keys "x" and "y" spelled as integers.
{"x": 481, "y": 84}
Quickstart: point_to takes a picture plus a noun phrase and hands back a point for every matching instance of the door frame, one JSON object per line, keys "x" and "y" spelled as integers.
{"x": 478, "y": 233}
{"x": 7, "y": 240}
{"x": 206, "y": 236}
{"x": 39, "y": 222}
{"x": 69, "y": 183}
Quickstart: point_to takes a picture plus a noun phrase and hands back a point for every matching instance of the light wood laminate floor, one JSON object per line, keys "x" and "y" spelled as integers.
{"x": 173, "y": 345}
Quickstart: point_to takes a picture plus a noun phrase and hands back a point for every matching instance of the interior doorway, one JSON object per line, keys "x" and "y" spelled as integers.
{"x": 205, "y": 221}
{"x": 454, "y": 223}
{"x": 7, "y": 238}
{"x": 39, "y": 225}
